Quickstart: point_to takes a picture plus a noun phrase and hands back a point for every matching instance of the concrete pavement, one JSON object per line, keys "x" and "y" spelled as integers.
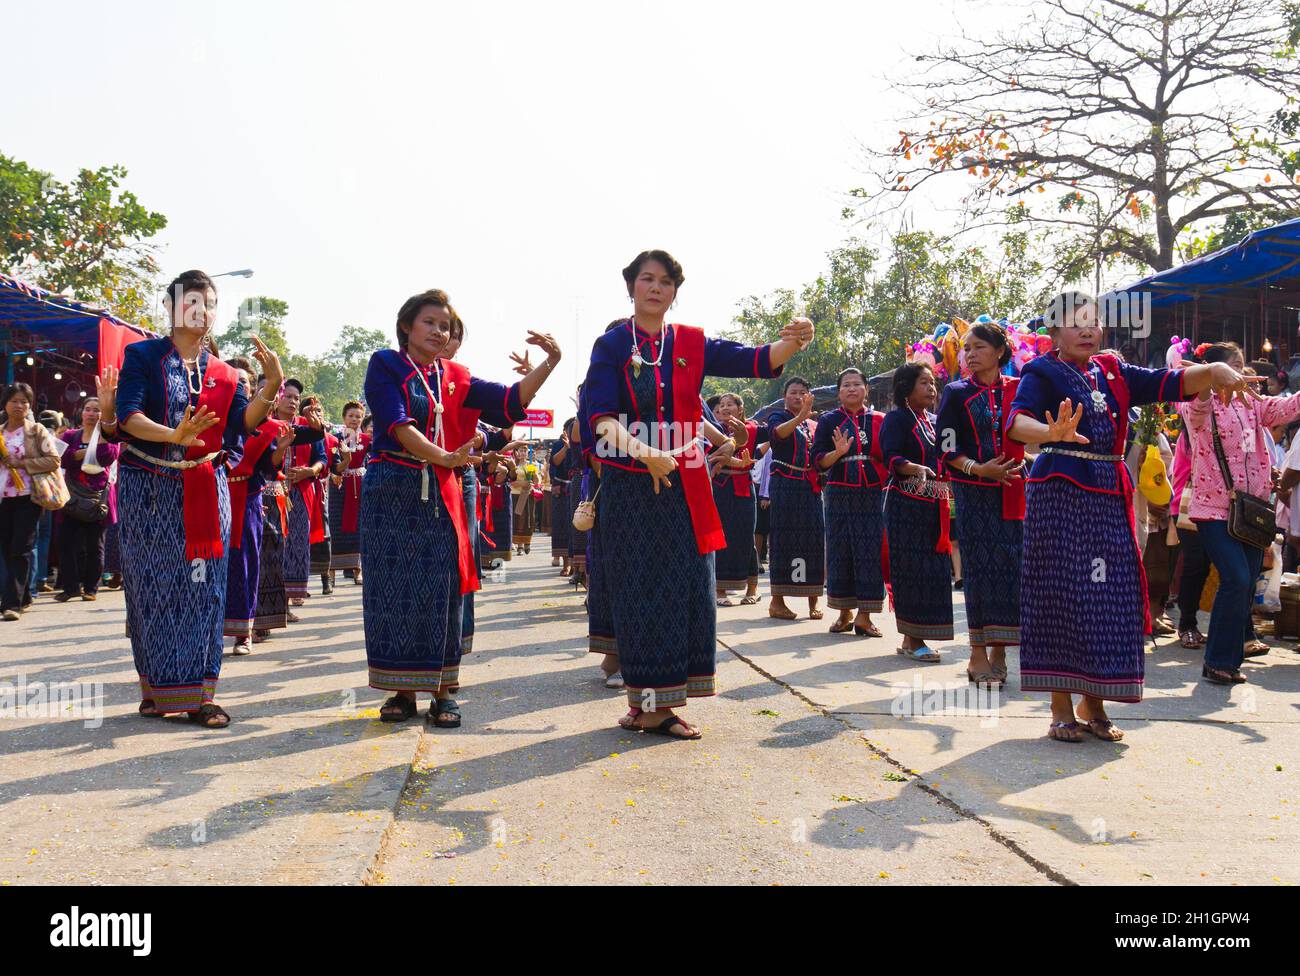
{"x": 806, "y": 774}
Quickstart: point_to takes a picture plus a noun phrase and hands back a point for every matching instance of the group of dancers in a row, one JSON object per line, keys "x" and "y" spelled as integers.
{"x": 210, "y": 448}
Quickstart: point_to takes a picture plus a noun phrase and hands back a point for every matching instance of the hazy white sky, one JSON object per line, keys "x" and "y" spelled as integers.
{"x": 515, "y": 154}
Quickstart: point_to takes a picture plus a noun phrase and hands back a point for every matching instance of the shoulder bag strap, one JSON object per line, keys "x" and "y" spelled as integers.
{"x": 1218, "y": 453}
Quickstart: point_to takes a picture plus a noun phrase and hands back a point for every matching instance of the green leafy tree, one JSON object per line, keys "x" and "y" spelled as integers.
{"x": 263, "y": 317}
{"x": 340, "y": 374}
{"x": 1124, "y": 126}
{"x": 88, "y": 238}
{"x": 866, "y": 311}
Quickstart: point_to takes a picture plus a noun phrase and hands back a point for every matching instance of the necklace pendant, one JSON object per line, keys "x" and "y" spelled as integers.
{"x": 1099, "y": 401}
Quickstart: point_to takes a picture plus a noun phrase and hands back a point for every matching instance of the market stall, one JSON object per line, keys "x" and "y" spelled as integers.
{"x": 56, "y": 344}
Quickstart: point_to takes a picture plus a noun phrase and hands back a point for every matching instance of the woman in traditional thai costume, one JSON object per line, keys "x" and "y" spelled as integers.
{"x": 598, "y": 603}
{"x": 486, "y": 439}
{"x": 246, "y": 476}
{"x": 179, "y": 409}
{"x": 336, "y": 462}
{"x": 497, "y": 548}
{"x": 561, "y": 516}
{"x": 272, "y": 608}
{"x": 734, "y": 495}
{"x": 917, "y": 515}
{"x": 250, "y": 475}
{"x": 582, "y": 487}
{"x": 303, "y": 467}
{"x": 415, "y": 545}
{"x": 847, "y": 447}
{"x": 345, "y": 496}
{"x": 81, "y": 544}
{"x": 763, "y": 523}
{"x": 1079, "y": 537}
{"x": 986, "y": 471}
{"x": 797, "y": 533}
{"x": 656, "y": 517}
{"x": 522, "y": 501}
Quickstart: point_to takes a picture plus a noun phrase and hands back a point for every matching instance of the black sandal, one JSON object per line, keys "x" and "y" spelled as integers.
{"x": 149, "y": 709}
{"x": 399, "y": 708}
{"x": 210, "y": 716}
{"x": 444, "y": 706}
{"x": 664, "y": 727}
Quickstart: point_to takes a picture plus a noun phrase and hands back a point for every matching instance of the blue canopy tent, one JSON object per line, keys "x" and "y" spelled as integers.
{"x": 55, "y": 344}
{"x": 1249, "y": 293}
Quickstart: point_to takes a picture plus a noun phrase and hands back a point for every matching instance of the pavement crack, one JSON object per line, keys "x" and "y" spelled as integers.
{"x": 938, "y": 796}
{"x": 374, "y": 873}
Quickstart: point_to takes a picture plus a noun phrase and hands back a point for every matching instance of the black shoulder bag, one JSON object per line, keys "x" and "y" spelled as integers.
{"x": 85, "y": 504}
{"x": 1251, "y": 520}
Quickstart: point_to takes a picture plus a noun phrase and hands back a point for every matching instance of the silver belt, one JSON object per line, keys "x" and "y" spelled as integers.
{"x": 1085, "y": 455}
{"x": 177, "y": 465}
{"x": 857, "y": 457}
{"x": 790, "y": 466}
{"x": 925, "y": 488}
{"x": 354, "y": 472}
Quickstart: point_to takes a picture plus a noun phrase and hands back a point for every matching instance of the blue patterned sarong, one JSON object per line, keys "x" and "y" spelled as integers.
{"x": 411, "y": 599}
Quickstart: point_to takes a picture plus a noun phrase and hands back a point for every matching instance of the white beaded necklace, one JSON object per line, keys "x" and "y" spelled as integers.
{"x": 435, "y": 405}
{"x": 637, "y": 359}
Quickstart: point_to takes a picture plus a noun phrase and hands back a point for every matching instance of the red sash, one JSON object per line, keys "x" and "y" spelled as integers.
{"x": 1118, "y": 386}
{"x": 1013, "y": 494}
{"x": 254, "y": 448}
{"x": 322, "y": 491}
{"x": 307, "y": 489}
{"x": 485, "y": 507}
{"x": 352, "y": 486}
{"x": 458, "y": 426}
{"x": 877, "y": 452}
{"x": 199, "y": 484}
{"x": 282, "y": 503}
{"x": 688, "y": 349}
{"x": 945, "y": 527}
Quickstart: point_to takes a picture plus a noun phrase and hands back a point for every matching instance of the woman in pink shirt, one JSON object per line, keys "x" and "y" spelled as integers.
{"x": 1241, "y": 425}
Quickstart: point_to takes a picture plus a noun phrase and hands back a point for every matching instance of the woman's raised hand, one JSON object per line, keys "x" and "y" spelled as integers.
{"x": 806, "y": 407}
{"x": 106, "y": 391}
{"x": 546, "y": 343}
{"x": 1227, "y": 383}
{"x": 522, "y": 366}
{"x": 1064, "y": 427}
{"x": 660, "y": 467}
{"x": 739, "y": 432}
{"x": 842, "y": 443}
{"x": 269, "y": 360}
{"x": 193, "y": 425}
{"x": 800, "y": 330}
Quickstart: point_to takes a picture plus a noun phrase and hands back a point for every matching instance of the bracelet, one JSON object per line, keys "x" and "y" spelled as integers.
{"x": 264, "y": 399}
